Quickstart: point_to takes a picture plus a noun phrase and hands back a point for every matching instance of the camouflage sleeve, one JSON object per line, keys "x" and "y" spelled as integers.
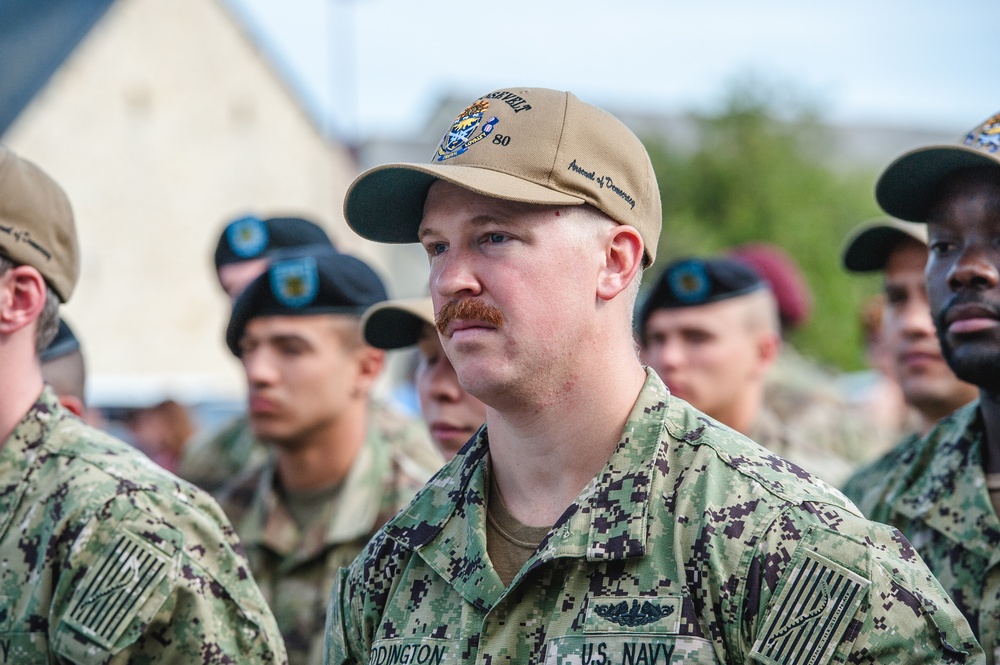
{"x": 157, "y": 579}
{"x": 337, "y": 650}
{"x": 849, "y": 591}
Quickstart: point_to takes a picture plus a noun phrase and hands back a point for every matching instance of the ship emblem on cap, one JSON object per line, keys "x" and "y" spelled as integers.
{"x": 460, "y": 136}
{"x": 295, "y": 282}
{"x": 689, "y": 281}
{"x": 247, "y": 237}
{"x": 986, "y": 136}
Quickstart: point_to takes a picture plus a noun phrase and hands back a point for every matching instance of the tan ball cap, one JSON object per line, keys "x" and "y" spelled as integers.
{"x": 905, "y": 188}
{"x": 530, "y": 145}
{"x": 395, "y": 324}
{"x": 870, "y": 244}
{"x": 36, "y": 223}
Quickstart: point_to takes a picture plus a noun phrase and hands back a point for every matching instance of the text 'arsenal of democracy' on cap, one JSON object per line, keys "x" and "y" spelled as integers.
{"x": 530, "y": 145}
{"x": 36, "y": 223}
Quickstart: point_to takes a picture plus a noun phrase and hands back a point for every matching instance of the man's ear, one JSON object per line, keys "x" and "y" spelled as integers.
{"x": 768, "y": 348}
{"x": 622, "y": 260}
{"x": 370, "y": 363}
{"x": 22, "y": 298}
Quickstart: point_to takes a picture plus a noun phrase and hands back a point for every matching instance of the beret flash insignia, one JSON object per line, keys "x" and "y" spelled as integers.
{"x": 295, "y": 282}
{"x": 690, "y": 282}
{"x": 247, "y": 237}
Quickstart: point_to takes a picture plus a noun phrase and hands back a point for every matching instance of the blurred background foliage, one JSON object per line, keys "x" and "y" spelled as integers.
{"x": 758, "y": 174}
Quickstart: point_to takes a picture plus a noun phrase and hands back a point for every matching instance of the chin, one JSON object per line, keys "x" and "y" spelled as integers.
{"x": 978, "y": 364}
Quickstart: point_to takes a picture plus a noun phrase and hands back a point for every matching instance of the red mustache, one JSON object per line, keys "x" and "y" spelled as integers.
{"x": 468, "y": 310}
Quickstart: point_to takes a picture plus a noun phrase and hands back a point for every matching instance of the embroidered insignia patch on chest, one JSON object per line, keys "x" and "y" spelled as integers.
{"x": 635, "y": 614}
{"x": 809, "y": 615}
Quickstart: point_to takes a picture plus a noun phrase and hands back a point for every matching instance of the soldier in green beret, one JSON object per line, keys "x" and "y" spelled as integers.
{"x": 595, "y": 518}
{"x": 104, "y": 557}
{"x": 710, "y": 329}
{"x": 340, "y": 467}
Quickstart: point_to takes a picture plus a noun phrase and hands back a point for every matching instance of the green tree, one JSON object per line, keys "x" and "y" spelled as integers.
{"x": 758, "y": 175}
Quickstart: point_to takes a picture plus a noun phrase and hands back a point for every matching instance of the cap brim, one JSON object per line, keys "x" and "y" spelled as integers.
{"x": 386, "y": 203}
{"x": 907, "y": 185}
{"x": 869, "y": 247}
{"x": 396, "y": 324}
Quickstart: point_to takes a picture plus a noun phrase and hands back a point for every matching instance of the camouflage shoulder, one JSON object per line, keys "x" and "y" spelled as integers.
{"x": 872, "y": 487}
{"x": 785, "y": 480}
{"x": 849, "y": 589}
{"x": 408, "y": 439}
{"x": 213, "y": 459}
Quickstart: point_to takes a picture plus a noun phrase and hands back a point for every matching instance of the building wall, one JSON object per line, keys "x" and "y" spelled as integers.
{"x": 165, "y": 123}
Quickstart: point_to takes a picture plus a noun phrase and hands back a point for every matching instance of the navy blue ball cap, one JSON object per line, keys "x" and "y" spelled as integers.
{"x": 252, "y": 237}
{"x": 693, "y": 282}
{"x": 318, "y": 281}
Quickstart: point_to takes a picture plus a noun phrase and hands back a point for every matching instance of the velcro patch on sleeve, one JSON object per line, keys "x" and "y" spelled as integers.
{"x": 115, "y": 588}
{"x": 808, "y": 616}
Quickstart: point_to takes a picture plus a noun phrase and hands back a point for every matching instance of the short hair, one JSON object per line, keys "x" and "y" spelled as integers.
{"x": 47, "y": 324}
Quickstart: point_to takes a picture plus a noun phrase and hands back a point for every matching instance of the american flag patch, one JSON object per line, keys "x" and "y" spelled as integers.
{"x": 807, "y": 618}
{"x": 115, "y": 588}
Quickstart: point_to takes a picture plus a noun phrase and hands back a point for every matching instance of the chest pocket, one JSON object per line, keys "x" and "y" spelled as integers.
{"x": 631, "y": 631}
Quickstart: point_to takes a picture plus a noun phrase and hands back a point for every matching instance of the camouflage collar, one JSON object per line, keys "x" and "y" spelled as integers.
{"x": 445, "y": 523}
{"x": 268, "y": 522}
{"x": 21, "y": 449}
{"x": 948, "y": 472}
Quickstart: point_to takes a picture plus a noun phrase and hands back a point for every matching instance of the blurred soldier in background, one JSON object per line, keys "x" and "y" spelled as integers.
{"x": 245, "y": 248}
{"x": 64, "y": 370}
{"x": 452, "y": 415}
{"x": 104, "y": 557}
{"x": 803, "y": 394}
{"x": 339, "y": 470}
{"x": 943, "y": 490}
{"x": 710, "y": 329}
{"x": 908, "y": 340}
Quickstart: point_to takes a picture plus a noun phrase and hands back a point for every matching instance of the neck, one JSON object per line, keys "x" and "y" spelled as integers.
{"x": 323, "y": 458}
{"x": 542, "y": 458}
{"x": 742, "y": 416}
{"x": 989, "y": 406}
{"x": 19, "y": 390}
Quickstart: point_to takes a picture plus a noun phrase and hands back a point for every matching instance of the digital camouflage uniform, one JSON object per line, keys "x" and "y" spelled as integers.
{"x": 296, "y": 567}
{"x": 210, "y": 462}
{"x": 805, "y": 397}
{"x": 692, "y": 545}
{"x": 933, "y": 489}
{"x": 214, "y": 461}
{"x": 106, "y": 558}
{"x": 798, "y": 447}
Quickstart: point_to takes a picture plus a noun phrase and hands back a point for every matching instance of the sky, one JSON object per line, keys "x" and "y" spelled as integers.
{"x": 372, "y": 68}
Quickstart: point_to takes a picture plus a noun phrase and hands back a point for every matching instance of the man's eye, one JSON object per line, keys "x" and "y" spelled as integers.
{"x": 941, "y": 247}
{"x": 435, "y": 248}
{"x": 496, "y": 237}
